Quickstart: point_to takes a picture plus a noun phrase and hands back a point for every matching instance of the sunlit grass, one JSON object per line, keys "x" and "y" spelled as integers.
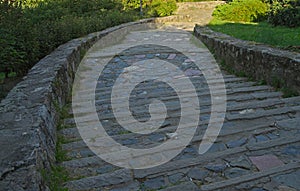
{"x": 262, "y": 32}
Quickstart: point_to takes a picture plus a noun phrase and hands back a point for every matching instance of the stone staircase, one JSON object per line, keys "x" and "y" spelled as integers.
{"x": 259, "y": 123}
{"x": 257, "y": 148}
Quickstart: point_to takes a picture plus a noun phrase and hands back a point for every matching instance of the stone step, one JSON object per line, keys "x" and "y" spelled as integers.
{"x": 104, "y": 96}
{"x": 229, "y": 82}
{"x": 232, "y": 105}
{"x": 91, "y": 166}
{"x": 228, "y": 129}
{"x": 253, "y": 104}
{"x": 292, "y": 101}
{"x": 240, "y": 128}
{"x": 89, "y": 183}
{"x": 100, "y": 181}
{"x": 200, "y": 159}
{"x": 189, "y": 186}
{"x": 250, "y": 177}
{"x": 260, "y": 113}
{"x": 255, "y": 95}
{"x": 247, "y": 114}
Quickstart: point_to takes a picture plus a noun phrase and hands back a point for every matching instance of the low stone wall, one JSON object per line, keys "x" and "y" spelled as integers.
{"x": 30, "y": 113}
{"x": 258, "y": 61}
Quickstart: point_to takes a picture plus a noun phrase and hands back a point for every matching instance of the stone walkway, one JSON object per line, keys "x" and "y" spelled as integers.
{"x": 258, "y": 147}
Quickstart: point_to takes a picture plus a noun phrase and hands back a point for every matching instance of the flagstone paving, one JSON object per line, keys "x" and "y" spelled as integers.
{"x": 257, "y": 148}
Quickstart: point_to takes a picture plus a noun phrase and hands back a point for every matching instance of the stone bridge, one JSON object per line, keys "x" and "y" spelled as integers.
{"x": 213, "y": 130}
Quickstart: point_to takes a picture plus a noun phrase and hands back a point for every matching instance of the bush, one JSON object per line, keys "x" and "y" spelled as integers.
{"x": 285, "y": 13}
{"x": 135, "y": 4}
{"x": 31, "y": 29}
{"x": 242, "y": 10}
{"x": 18, "y": 44}
{"x": 153, "y": 8}
{"x": 162, "y": 8}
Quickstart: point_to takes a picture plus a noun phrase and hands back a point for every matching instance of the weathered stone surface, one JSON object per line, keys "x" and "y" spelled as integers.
{"x": 257, "y": 60}
{"x": 260, "y": 138}
{"x": 216, "y": 167}
{"x": 251, "y": 110}
{"x": 241, "y": 162}
{"x": 132, "y": 186}
{"x": 197, "y": 174}
{"x": 236, "y": 143}
{"x": 286, "y": 188}
{"x": 290, "y": 179}
{"x": 29, "y": 114}
{"x": 70, "y": 133}
{"x": 114, "y": 178}
{"x": 176, "y": 177}
{"x": 258, "y": 189}
{"x": 293, "y": 150}
{"x": 235, "y": 172}
{"x": 265, "y": 162}
{"x": 155, "y": 183}
{"x": 217, "y": 147}
{"x": 184, "y": 186}
{"x": 289, "y": 124}
{"x": 247, "y": 178}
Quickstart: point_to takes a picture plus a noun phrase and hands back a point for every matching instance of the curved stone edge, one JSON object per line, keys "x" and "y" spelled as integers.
{"x": 258, "y": 61}
{"x": 30, "y": 113}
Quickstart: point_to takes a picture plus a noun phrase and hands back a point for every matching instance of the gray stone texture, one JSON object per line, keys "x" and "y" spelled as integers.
{"x": 259, "y": 61}
{"x": 29, "y": 114}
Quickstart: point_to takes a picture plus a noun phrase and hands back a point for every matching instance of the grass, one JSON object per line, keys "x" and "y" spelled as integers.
{"x": 281, "y": 37}
{"x": 58, "y": 174}
{"x": 56, "y": 178}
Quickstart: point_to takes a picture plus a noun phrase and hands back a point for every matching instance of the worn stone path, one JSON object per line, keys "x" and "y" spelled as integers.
{"x": 257, "y": 149}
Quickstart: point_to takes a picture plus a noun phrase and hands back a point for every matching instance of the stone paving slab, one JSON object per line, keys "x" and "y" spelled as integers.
{"x": 260, "y": 125}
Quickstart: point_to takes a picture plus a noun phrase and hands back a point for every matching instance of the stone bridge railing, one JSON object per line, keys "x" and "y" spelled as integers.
{"x": 258, "y": 61}
{"x": 30, "y": 113}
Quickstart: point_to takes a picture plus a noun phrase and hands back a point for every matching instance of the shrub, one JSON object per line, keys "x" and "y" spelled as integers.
{"x": 242, "y": 10}
{"x": 18, "y": 45}
{"x": 162, "y": 7}
{"x": 135, "y": 4}
{"x": 31, "y": 29}
{"x": 153, "y": 8}
{"x": 285, "y": 13}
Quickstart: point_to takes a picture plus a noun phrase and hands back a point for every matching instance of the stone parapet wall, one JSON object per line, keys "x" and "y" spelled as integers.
{"x": 258, "y": 61}
{"x": 30, "y": 113}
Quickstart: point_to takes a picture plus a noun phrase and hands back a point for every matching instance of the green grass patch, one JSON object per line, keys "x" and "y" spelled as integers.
{"x": 58, "y": 174}
{"x": 282, "y": 37}
{"x": 56, "y": 178}
{"x": 60, "y": 154}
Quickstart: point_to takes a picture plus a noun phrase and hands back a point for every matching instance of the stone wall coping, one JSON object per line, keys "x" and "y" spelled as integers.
{"x": 259, "y": 61}
{"x": 29, "y": 114}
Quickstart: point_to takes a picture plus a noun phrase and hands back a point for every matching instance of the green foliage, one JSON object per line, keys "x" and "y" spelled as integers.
{"x": 135, "y": 4}
{"x": 285, "y": 13}
{"x": 56, "y": 178}
{"x": 31, "y": 29}
{"x": 162, "y": 7}
{"x": 154, "y": 8}
{"x": 282, "y": 37}
{"x": 193, "y": 0}
{"x": 242, "y": 10}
